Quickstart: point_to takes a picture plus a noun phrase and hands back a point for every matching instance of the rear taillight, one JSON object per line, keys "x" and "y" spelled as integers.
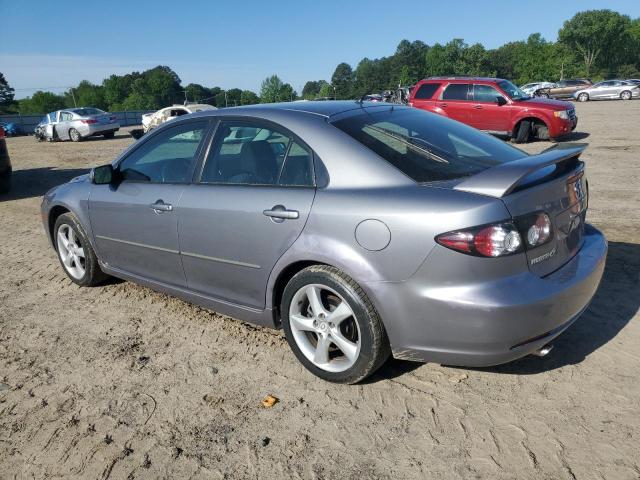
{"x": 495, "y": 240}
{"x": 502, "y": 238}
{"x": 89, "y": 121}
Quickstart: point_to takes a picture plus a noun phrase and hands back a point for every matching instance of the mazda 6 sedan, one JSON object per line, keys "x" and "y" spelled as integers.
{"x": 361, "y": 229}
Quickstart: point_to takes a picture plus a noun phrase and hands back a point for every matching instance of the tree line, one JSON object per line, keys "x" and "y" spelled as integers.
{"x": 594, "y": 44}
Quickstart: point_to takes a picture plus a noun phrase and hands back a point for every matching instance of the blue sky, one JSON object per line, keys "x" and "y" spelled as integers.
{"x": 237, "y": 44}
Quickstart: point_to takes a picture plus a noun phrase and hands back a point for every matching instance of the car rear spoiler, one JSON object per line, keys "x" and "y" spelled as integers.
{"x": 501, "y": 180}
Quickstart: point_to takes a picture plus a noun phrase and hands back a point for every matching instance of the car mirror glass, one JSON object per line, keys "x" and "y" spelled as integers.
{"x": 102, "y": 175}
{"x": 500, "y": 100}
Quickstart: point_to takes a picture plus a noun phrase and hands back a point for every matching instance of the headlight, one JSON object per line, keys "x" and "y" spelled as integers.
{"x": 563, "y": 114}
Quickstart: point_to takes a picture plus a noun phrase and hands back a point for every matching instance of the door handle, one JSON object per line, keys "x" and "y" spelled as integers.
{"x": 160, "y": 207}
{"x": 279, "y": 213}
{"x": 444, "y": 104}
{"x": 478, "y": 107}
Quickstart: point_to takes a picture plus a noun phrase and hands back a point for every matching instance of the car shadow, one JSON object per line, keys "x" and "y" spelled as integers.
{"x": 616, "y": 302}
{"x": 35, "y": 182}
{"x": 573, "y": 137}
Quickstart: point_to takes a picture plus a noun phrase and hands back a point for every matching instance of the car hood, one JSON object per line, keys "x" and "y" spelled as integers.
{"x": 549, "y": 103}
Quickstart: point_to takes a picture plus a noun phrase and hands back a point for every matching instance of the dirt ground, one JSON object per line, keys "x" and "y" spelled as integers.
{"x": 118, "y": 381}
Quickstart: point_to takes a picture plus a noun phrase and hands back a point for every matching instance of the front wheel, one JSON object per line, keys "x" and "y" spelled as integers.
{"x": 543, "y": 95}
{"x": 583, "y": 97}
{"x": 332, "y": 326}
{"x": 626, "y": 95}
{"x": 75, "y": 253}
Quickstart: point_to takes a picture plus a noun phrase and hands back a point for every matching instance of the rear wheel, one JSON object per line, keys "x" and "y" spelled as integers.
{"x": 543, "y": 94}
{"x": 626, "y": 95}
{"x": 331, "y": 325}
{"x": 75, "y": 253}
{"x": 74, "y": 135}
{"x": 523, "y": 132}
{"x": 583, "y": 97}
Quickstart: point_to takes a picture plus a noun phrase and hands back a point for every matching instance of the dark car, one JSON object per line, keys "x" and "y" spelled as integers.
{"x": 5, "y": 164}
{"x": 564, "y": 88}
{"x": 495, "y": 106}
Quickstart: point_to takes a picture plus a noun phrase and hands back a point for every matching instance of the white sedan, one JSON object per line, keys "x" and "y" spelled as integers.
{"x": 155, "y": 119}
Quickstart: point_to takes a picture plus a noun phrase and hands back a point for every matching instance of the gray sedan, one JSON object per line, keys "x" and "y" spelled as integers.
{"x": 76, "y": 124}
{"x": 363, "y": 230}
{"x": 607, "y": 90}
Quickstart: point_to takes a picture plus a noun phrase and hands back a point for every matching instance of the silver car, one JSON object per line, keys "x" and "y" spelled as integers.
{"x": 76, "y": 124}
{"x": 609, "y": 89}
{"x": 361, "y": 229}
{"x": 532, "y": 88}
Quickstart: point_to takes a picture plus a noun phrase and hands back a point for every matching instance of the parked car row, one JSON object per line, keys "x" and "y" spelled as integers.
{"x": 5, "y": 164}
{"x": 583, "y": 89}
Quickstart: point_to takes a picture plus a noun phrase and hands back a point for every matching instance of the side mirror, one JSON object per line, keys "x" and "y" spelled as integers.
{"x": 102, "y": 175}
{"x": 500, "y": 100}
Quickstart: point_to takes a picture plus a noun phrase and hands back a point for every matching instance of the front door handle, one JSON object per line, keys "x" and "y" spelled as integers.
{"x": 444, "y": 105}
{"x": 478, "y": 107}
{"x": 160, "y": 207}
{"x": 279, "y": 213}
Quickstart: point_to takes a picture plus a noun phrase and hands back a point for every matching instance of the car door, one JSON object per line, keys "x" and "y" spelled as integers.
{"x": 455, "y": 102}
{"x": 63, "y": 125}
{"x": 250, "y": 204}
{"x": 424, "y": 96}
{"x": 600, "y": 90}
{"x": 135, "y": 220}
{"x": 487, "y": 114}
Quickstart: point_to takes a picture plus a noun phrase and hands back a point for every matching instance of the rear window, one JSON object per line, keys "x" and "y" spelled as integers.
{"x": 426, "y": 91}
{"x": 425, "y": 146}
{"x": 456, "y": 91}
{"x": 83, "y": 112}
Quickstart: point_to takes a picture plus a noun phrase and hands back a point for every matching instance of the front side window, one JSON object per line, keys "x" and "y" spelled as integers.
{"x": 510, "y": 89}
{"x": 52, "y": 117}
{"x": 167, "y": 157}
{"x": 456, "y": 91}
{"x": 427, "y": 147}
{"x": 250, "y": 154}
{"x": 485, "y": 93}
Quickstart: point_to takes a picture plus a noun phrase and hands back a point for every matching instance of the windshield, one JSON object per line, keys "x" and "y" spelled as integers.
{"x": 510, "y": 89}
{"x": 425, "y": 146}
{"x": 83, "y": 112}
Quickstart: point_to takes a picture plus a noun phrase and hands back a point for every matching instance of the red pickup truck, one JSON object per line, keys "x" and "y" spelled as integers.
{"x": 496, "y": 106}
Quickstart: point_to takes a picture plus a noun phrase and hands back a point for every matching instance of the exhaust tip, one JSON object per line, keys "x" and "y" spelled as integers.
{"x": 543, "y": 351}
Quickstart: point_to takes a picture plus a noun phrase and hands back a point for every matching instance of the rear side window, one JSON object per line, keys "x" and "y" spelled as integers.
{"x": 427, "y": 147}
{"x": 456, "y": 91}
{"x": 426, "y": 91}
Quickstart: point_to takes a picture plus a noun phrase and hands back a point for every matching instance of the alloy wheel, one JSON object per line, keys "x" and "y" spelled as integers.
{"x": 71, "y": 252}
{"x": 324, "y": 328}
{"x": 625, "y": 95}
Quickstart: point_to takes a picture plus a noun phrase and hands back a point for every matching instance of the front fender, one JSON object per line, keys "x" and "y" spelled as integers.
{"x": 72, "y": 196}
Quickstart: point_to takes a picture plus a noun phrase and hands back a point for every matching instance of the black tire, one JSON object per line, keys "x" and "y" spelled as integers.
{"x": 626, "y": 95}
{"x": 374, "y": 344}
{"x": 523, "y": 132}
{"x": 109, "y": 135}
{"x": 74, "y": 135}
{"x": 543, "y": 94}
{"x": 92, "y": 273}
{"x": 583, "y": 97}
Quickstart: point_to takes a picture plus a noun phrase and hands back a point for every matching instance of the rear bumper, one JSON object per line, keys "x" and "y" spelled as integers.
{"x": 96, "y": 129}
{"x": 483, "y": 323}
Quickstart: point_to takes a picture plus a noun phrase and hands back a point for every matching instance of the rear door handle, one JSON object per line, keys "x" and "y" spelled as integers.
{"x": 160, "y": 207}
{"x": 444, "y": 104}
{"x": 279, "y": 213}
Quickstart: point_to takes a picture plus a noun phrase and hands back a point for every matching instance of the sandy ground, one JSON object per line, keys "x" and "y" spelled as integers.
{"x": 121, "y": 382}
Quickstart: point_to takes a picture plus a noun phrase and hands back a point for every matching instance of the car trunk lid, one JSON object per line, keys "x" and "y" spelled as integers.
{"x": 552, "y": 182}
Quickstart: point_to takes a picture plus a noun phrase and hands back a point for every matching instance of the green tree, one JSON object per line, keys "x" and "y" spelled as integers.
{"x": 249, "y": 98}
{"x": 86, "y": 94}
{"x": 270, "y": 89}
{"x": 312, "y": 88}
{"x": 326, "y": 90}
{"x": 598, "y": 36}
{"x": 40, "y": 103}
{"x": 198, "y": 93}
{"x": 6, "y": 95}
{"x": 343, "y": 81}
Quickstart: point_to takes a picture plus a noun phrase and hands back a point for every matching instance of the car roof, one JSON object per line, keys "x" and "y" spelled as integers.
{"x": 326, "y": 109}
{"x": 463, "y": 79}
